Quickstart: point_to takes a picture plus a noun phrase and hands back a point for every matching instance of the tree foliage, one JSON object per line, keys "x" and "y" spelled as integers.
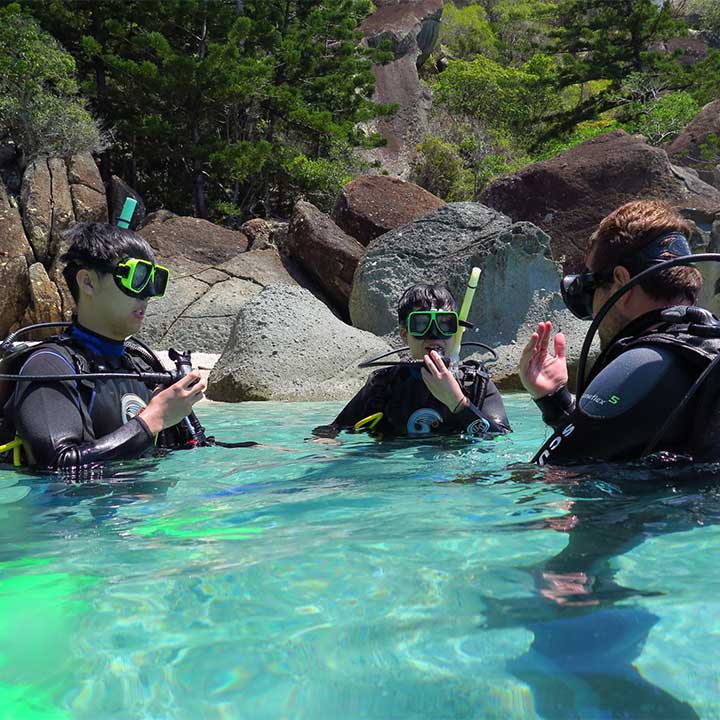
{"x": 221, "y": 101}
{"x": 40, "y": 109}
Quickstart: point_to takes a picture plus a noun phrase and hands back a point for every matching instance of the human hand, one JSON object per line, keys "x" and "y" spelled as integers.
{"x": 169, "y": 406}
{"x": 540, "y": 372}
{"x": 440, "y": 381}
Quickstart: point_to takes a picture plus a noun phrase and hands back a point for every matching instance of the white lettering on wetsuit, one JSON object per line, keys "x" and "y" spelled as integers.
{"x": 555, "y": 443}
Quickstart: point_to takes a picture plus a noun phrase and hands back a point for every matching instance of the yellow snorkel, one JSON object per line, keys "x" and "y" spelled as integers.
{"x": 463, "y": 316}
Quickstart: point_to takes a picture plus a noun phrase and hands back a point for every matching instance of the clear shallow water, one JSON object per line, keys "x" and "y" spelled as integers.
{"x": 407, "y": 580}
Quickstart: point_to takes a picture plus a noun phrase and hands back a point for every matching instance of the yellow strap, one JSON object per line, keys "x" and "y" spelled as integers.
{"x": 369, "y": 422}
{"x": 16, "y": 446}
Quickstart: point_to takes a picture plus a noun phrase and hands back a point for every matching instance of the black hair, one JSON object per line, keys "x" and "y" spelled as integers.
{"x": 423, "y": 296}
{"x": 97, "y": 245}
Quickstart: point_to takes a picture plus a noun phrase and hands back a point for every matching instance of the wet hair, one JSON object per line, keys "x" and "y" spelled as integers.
{"x": 633, "y": 226}
{"x": 423, "y": 296}
{"x": 97, "y": 245}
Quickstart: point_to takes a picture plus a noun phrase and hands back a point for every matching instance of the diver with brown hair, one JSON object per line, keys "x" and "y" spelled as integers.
{"x": 658, "y": 348}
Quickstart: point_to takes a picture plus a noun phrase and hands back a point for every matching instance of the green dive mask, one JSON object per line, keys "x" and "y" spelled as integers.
{"x": 140, "y": 278}
{"x": 420, "y": 323}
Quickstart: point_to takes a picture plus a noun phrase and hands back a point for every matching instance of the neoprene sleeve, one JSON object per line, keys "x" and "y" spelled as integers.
{"x": 49, "y": 418}
{"x": 622, "y": 409}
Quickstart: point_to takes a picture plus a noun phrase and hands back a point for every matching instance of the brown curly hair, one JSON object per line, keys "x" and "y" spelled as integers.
{"x": 631, "y": 227}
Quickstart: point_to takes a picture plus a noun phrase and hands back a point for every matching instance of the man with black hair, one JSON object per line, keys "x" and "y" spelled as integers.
{"x": 654, "y": 342}
{"x": 421, "y": 398}
{"x": 72, "y": 424}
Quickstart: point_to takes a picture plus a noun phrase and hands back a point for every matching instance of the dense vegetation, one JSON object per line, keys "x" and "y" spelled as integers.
{"x": 238, "y": 107}
{"x": 519, "y": 81}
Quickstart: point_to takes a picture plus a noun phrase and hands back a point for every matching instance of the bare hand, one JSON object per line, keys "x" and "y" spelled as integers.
{"x": 540, "y": 372}
{"x": 442, "y": 383}
{"x": 169, "y": 406}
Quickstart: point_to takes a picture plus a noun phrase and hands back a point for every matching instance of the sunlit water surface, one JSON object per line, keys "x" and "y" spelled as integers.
{"x": 436, "y": 579}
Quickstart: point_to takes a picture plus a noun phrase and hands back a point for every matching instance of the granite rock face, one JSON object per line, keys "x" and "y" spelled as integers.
{"x": 287, "y": 345}
{"x": 569, "y": 194}
{"x": 411, "y": 27}
{"x": 325, "y": 252}
{"x": 199, "y": 309}
{"x": 372, "y": 205}
{"x": 518, "y": 287}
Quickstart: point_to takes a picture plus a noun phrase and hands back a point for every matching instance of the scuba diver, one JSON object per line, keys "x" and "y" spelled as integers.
{"x": 657, "y": 348}
{"x": 109, "y": 411}
{"x": 419, "y": 398}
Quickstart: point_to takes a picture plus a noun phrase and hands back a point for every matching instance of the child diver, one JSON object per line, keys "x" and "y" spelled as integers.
{"x": 411, "y": 398}
{"x": 75, "y": 423}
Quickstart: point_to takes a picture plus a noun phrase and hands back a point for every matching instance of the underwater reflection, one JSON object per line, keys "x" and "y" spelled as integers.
{"x": 588, "y": 629}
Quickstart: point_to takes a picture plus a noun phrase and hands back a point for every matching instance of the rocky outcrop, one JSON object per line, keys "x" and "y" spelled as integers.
{"x": 202, "y": 301}
{"x": 287, "y": 345}
{"x": 36, "y": 201}
{"x": 191, "y": 241}
{"x": 569, "y": 194}
{"x": 44, "y": 301}
{"x": 87, "y": 189}
{"x": 372, "y": 205}
{"x": 54, "y": 194}
{"x": 324, "y": 251}
{"x": 258, "y": 232}
{"x": 698, "y": 146}
{"x": 410, "y": 26}
{"x": 519, "y": 284}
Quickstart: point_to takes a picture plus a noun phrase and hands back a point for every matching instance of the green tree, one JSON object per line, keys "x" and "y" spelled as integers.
{"x": 607, "y": 40}
{"x": 40, "y": 110}
{"x": 466, "y": 32}
{"x": 219, "y": 101}
{"x": 523, "y": 27}
{"x": 661, "y": 120}
{"x": 503, "y": 98}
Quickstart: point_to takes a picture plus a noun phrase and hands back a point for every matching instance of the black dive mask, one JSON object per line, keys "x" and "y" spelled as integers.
{"x": 578, "y": 290}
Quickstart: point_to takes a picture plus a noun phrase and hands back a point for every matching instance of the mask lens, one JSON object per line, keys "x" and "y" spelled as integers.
{"x": 140, "y": 275}
{"x": 577, "y": 293}
{"x": 447, "y": 322}
{"x": 160, "y": 280}
{"x": 418, "y": 322}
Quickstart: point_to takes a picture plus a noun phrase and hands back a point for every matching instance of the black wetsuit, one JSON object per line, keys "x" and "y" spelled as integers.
{"x": 637, "y": 382}
{"x": 409, "y": 408}
{"x": 74, "y": 423}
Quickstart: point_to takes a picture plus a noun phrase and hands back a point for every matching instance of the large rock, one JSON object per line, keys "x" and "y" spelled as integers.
{"x": 87, "y": 189}
{"x": 518, "y": 287}
{"x": 62, "y": 218}
{"x": 324, "y": 251}
{"x": 13, "y": 242}
{"x": 36, "y": 202}
{"x": 45, "y": 304}
{"x": 568, "y": 195}
{"x": 16, "y": 292}
{"x": 372, "y": 205}
{"x": 410, "y": 26}
{"x": 287, "y": 345}
{"x": 201, "y": 304}
{"x": 15, "y": 256}
{"x": 188, "y": 240}
{"x": 687, "y": 148}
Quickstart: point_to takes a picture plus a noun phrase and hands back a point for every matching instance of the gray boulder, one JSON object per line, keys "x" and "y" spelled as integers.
{"x": 287, "y": 345}
{"x": 518, "y": 287}
{"x": 198, "y": 311}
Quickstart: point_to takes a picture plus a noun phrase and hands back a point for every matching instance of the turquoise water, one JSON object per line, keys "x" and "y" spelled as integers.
{"x": 407, "y": 580}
